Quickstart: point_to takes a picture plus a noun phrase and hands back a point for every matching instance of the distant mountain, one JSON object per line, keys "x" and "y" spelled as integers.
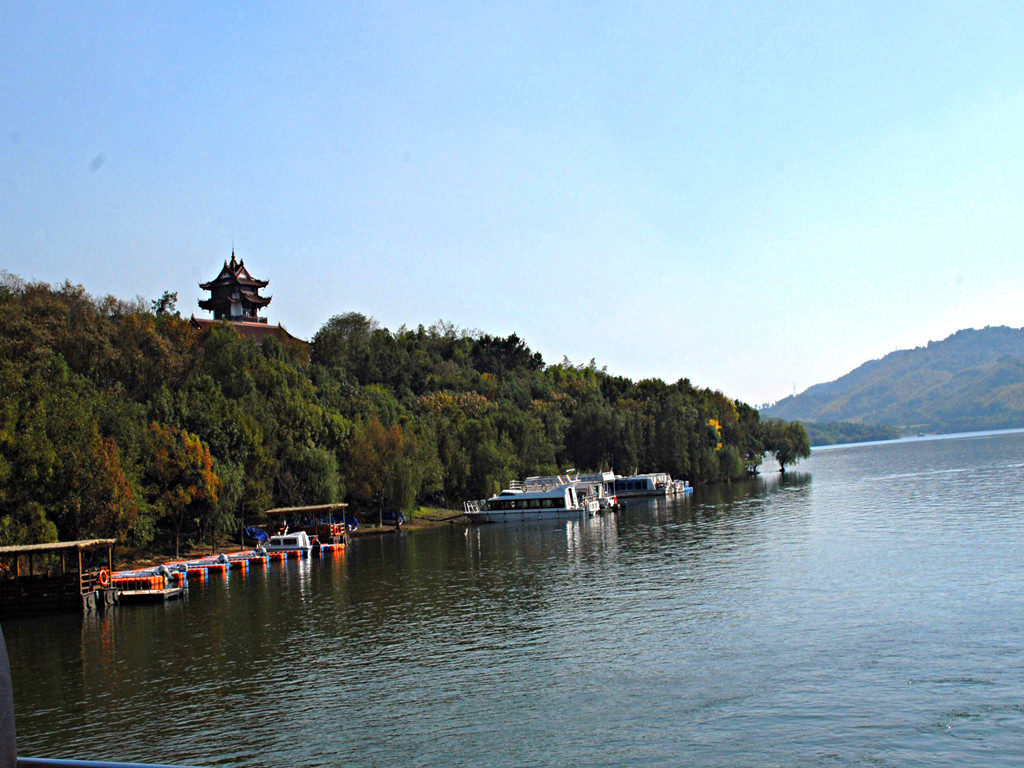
{"x": 972, "y": 380}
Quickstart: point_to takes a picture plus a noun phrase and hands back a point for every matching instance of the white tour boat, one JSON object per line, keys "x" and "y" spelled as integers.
{"x": 516, "y": 504}
{"x": 651, "y": 484}
{"x": 592, "y": 487}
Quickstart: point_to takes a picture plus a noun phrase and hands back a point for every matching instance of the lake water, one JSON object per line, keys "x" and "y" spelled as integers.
{"x": 868, "y": 609}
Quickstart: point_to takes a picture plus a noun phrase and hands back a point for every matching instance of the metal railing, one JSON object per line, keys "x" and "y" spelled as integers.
{"x": 37, "y": 762}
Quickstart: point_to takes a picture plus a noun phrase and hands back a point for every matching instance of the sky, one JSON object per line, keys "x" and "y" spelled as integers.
{"x": 758, "y": 197}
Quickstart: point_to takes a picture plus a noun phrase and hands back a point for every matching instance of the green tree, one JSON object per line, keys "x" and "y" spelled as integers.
{"x": 167, "y": 304}
{"x": 309, "y": 475}
{"x": 373, "y": 453}
{"x": 787, "y": 441}
{"x": 55, "y": 466}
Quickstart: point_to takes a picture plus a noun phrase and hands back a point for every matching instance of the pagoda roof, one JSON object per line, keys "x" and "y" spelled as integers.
{"x": 234, "y": 273}
{"x": 255, "y": 331}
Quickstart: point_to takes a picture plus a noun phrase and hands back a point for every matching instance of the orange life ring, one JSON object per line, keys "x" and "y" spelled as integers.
{"x": 103, "y": 577}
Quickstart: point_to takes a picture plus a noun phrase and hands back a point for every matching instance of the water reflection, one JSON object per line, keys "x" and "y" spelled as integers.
{"x": 590, "y": 536}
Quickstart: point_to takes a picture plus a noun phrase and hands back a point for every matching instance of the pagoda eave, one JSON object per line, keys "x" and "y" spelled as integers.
{"x": 256, "y": 301}
{"x": 231, "y": 280}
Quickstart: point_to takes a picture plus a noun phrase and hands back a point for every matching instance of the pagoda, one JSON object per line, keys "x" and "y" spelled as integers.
{"x": 235, "y": 294}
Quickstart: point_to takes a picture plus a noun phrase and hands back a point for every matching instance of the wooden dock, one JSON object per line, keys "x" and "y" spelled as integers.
{"x": 150, "y": 595}
{"x": 65, "y": 575}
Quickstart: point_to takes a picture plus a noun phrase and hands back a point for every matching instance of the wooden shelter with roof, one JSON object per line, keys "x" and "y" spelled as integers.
{"x": 325, "y": 522}
{"x": 56, "y": 576}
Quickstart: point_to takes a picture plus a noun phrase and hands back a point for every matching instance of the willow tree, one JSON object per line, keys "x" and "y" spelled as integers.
{"x": 787, "y": 441}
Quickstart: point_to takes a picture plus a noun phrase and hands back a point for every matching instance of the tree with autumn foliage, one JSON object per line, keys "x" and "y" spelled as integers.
{"x": 182, "y": 485}
{"x": 386, "y": 465}
{"x": 59, "y": 476}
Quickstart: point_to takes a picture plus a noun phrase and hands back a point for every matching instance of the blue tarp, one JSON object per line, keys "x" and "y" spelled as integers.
{"x": 257, "y": 534}
{"x": 389, "y": 516}
{"x": 350, "y": 522}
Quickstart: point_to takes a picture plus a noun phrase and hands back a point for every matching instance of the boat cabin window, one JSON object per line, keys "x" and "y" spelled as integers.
{"x": 633, "y": 485}
{"x": 551, "y": 502}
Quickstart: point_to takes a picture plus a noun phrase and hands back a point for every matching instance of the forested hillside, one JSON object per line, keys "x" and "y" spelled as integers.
{"x": 121, "y": 419}
{"x": 971, "y": 380}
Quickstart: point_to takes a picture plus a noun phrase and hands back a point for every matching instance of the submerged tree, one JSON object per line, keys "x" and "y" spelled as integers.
{"x": 787, "y": 441}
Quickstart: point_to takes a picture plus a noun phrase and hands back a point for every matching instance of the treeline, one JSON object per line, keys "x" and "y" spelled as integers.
{"x": 838, "y": 432}
{"x": 121, "y": 419}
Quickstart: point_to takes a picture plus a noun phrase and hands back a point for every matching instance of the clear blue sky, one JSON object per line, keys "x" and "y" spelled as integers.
{"x": 757, "y": 198}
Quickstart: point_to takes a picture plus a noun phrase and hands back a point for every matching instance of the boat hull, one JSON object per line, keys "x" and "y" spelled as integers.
{"x": 519, "y": 515}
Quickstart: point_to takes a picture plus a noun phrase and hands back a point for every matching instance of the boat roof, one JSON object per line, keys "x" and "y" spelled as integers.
{"x": 645, "y": 475}
{"x": 558, "y": 491}
{"x": 570, "y": 477}
{"x": 595, "y": 477}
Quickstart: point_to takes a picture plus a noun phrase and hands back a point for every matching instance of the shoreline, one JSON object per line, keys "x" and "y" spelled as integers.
{"x": 422, "y": 519}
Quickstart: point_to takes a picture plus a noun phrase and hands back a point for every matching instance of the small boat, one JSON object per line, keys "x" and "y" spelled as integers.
{"x": 681, "y": 486}
{"x": 296, "y": 541}
{"x": 514, "y": 504}
{"x": 257, "y": 534}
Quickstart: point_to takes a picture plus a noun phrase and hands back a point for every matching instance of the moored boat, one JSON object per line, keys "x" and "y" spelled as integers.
{"x": 323, "y": 524}
{"x": 594, "y": 486}
{"x": 294, "y": 541}
{"x": 651, "y": 484}
{"x": 514, "y": 504}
